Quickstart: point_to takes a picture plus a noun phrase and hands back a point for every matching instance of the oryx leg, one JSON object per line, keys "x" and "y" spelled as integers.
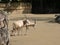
{"x": 33, "y": 27}
{"x": 27, "y": 27}
{"x": 18, "y": 31}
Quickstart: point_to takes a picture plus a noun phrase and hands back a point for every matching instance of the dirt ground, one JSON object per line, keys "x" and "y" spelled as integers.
{"x": 45, "y": 32}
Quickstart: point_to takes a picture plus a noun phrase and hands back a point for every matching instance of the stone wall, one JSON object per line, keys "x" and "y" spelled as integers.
{"x": 23, "y": 8}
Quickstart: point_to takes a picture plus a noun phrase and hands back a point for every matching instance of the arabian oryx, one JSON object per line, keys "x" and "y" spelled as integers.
{"x": 17, "y": 25}
{"x": 4, "y": 35}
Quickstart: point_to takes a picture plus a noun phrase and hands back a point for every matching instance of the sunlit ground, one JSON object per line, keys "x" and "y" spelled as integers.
{"x": 45, "y": 32}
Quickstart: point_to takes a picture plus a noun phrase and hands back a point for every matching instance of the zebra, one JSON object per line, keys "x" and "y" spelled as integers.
{"x": 4, "y": 33}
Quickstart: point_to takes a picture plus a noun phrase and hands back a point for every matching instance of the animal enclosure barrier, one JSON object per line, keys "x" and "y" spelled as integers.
{"x": 22, "y": 7}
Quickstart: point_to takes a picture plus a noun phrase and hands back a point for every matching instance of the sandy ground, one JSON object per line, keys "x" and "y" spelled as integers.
{"x": 45, "y": 32}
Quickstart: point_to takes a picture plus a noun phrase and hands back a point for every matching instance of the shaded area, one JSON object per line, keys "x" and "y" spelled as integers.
{"x": 27, "y": 9}
{"x": 45, "y": 6}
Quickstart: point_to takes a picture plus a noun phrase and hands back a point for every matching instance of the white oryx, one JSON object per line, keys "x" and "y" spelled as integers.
{"x": 17, "y": 25}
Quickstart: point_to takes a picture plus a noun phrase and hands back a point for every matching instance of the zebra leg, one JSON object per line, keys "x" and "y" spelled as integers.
{"x": 7, "y": 42}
